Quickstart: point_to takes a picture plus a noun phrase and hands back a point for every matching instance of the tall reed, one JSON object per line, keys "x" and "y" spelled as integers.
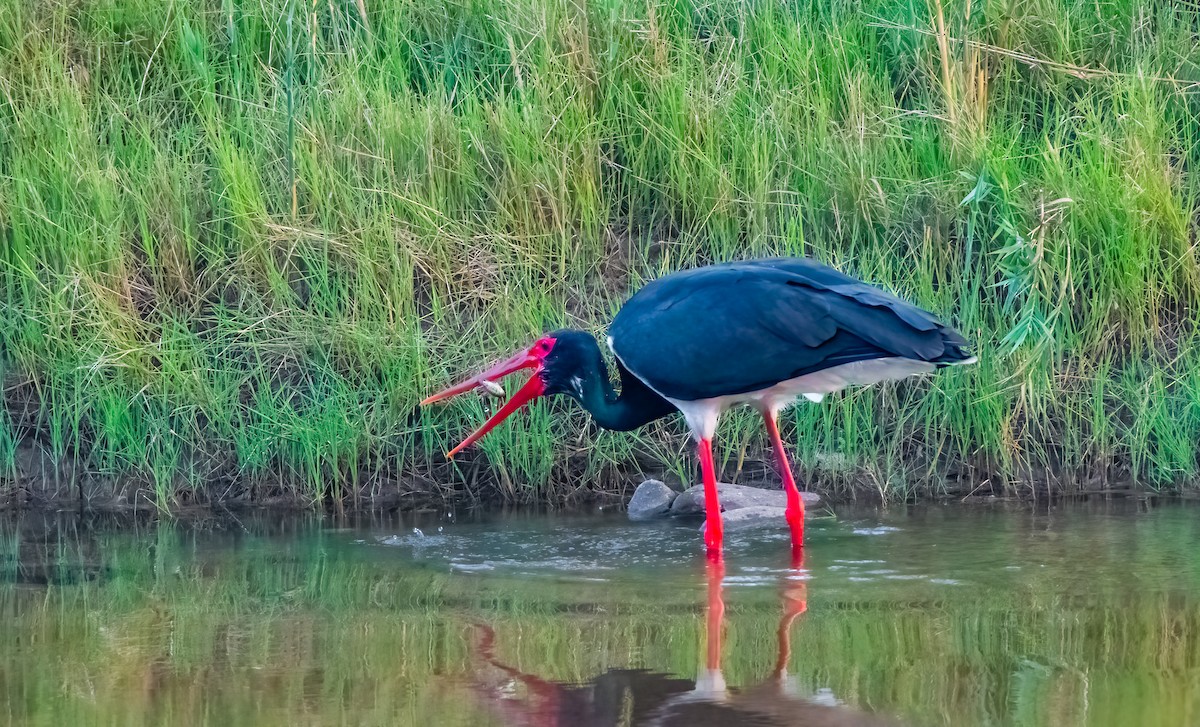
{"x": 239, "y": 243}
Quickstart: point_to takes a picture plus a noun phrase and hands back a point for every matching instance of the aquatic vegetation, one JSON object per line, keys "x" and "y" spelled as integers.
{"x": 239, "y": 243}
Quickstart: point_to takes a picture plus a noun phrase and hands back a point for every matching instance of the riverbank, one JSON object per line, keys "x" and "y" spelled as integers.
{"x": 238, "y": 245}
{"x": 41, "y": 486}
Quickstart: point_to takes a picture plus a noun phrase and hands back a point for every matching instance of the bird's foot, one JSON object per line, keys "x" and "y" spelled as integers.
{"x": 713, "y": 534}
{"x": 713, "y": 544}
{"x": 797, "y": 553}
{"x": 795, "y": 521}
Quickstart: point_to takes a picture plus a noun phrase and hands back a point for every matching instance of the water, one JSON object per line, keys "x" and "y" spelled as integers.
{"x": 1085, "y": 614}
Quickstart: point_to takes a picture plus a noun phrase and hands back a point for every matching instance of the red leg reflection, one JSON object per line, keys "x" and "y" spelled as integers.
{"x": 715, "y": 614}
{"x": 711, "y": 683}
{"x": 795, "y": 602}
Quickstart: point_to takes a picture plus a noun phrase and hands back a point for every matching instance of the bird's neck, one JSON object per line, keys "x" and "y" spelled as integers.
{"x": 636, "y": 405}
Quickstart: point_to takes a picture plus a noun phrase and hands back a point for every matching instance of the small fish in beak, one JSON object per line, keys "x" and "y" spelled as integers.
{"x": 491, "y": 388}
{"x": 485, "y": 383}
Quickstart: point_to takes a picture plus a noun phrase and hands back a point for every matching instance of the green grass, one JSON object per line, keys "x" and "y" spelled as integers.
{"x": 239, "y": 242}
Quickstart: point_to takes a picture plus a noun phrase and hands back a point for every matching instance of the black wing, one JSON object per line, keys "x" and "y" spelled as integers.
{"x": 744, "y": 326}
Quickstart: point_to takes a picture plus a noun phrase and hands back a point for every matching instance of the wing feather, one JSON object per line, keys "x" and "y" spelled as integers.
{"x": 737, "y": 327}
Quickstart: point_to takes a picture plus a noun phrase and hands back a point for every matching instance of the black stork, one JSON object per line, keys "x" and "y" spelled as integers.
{"x": 762, "y": 333}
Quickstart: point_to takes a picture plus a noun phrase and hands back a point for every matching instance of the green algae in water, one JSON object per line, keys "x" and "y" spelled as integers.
{"x": 1074, "y": 615}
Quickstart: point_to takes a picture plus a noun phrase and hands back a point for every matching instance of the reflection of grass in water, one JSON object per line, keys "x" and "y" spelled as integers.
{"x": 311, "y": 630}
{"x": 365, "y": 660}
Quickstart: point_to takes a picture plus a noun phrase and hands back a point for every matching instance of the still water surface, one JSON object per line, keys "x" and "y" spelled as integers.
{"x": 1080, "y": 614}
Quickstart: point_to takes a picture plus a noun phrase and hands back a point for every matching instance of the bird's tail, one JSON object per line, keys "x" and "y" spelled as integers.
{"x": 957, "y": 350}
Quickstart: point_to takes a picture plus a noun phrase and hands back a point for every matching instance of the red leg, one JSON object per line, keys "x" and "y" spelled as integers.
{"x": 712, "y": 507}
{"x": 795, "y": 505}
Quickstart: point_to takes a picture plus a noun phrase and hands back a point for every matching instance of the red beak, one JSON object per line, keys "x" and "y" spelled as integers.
{"x": 528, "y": 359}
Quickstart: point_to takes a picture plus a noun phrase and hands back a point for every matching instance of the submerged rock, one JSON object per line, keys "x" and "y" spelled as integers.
{"x": 755, "y": 516}
{"x": 651, "y": 500}
{"x": 736, "y": 497}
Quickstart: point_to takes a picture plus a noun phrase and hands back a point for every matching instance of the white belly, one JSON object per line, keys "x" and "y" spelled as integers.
{"x": 702, "y": 414}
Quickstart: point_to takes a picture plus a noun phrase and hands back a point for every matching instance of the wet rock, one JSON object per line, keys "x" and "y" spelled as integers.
{"x": 755, "y": 516}
{"x": 651, "y": 500}
{"x": 735, "y": 497}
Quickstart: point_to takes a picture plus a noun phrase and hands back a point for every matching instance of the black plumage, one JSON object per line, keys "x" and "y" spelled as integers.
{"x": 738, "y": 327}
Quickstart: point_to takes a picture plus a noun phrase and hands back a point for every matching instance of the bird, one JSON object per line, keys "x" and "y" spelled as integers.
{"x": 763, "y": 333}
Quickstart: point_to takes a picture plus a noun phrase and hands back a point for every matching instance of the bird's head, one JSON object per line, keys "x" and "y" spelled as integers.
{"x": 560, "y": 361}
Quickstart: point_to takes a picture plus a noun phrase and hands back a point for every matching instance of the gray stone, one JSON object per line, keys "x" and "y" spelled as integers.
{"x": 755, "y": 516}
{"x": 651, "y": 500}
{"x": 735, "y": 497}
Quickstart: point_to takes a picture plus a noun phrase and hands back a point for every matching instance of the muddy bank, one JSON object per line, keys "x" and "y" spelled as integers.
{"x": 37, "y": 481}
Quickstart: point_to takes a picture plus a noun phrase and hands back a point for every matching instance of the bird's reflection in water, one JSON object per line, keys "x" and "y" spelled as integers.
{"x": 640, "y": 697}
